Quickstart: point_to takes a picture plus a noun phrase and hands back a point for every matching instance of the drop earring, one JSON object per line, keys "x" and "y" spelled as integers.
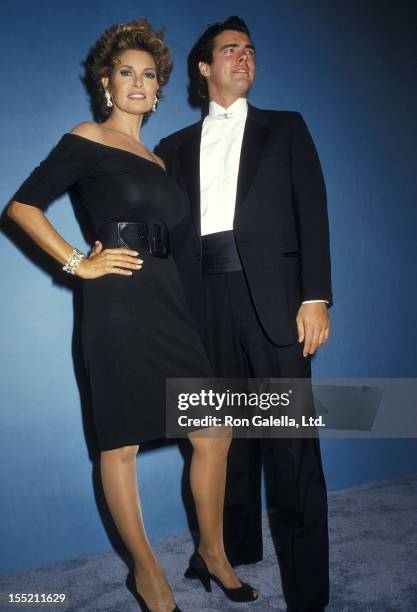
{"x": 154, "y": 104}
{"x": 109, "y": 102}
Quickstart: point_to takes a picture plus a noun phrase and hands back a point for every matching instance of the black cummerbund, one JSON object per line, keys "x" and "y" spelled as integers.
{"x": 220, "y": 253}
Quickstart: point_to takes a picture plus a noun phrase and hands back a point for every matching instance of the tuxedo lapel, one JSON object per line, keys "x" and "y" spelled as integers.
{"x": 189, "y": 159}
{"x": 254, "y": 140}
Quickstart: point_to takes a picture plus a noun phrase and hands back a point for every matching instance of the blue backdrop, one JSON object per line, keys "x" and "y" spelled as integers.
{"x": 349, "y": 68}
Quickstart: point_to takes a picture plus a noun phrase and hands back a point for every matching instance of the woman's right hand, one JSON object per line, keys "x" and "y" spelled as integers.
{"x": 108, "y": 261}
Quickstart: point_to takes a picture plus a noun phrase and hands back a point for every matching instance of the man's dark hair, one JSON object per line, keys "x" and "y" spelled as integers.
{"x": 203, "y": 52}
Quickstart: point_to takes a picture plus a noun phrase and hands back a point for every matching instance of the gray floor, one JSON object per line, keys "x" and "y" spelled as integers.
{"x": 373, "y": 535}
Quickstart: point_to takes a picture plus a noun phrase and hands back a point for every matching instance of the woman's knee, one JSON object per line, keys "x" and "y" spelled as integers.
{"x": 216, "y": 446}
{"x": 124, "y": 454}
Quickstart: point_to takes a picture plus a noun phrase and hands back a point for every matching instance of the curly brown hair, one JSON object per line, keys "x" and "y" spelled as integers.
{"x": 117, "y": 39}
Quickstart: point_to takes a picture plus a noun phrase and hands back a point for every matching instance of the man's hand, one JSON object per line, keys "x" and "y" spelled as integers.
{"x": 313, "y": 325}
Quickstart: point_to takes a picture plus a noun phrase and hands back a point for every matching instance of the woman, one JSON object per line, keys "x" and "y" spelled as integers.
{"x": 136, "y": 328}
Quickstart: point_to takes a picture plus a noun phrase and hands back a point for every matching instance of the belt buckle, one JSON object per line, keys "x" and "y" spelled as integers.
{"x": 158, "y": 240}
{"x": 121, "y": 239}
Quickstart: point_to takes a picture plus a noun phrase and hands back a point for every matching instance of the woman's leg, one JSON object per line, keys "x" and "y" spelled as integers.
{"x": 118, "y": 473}
{"x": 208, "y": 481}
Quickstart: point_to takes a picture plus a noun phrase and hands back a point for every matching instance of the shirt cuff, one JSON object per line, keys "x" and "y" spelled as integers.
{"x": 314, "y": 301}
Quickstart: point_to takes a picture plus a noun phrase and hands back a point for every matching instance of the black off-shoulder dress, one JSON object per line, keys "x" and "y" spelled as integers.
{"x": 136, "y": 330}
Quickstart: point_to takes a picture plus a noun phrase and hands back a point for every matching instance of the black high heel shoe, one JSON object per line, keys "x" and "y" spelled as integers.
{"x": 131, "y": 585}
{"x": 198, "y": 569}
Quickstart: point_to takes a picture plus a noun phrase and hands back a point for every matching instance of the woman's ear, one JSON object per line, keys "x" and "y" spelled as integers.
{"x": 105, "y": 82}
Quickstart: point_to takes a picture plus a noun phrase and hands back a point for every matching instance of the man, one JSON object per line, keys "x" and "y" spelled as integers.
{"x": 256, "y": 271}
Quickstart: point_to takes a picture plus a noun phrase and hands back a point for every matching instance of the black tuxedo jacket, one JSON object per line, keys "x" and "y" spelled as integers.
{"x": 280, "y": 222}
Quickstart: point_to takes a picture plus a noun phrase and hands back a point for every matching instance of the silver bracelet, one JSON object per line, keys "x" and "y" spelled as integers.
{"x": 72, "y": 261}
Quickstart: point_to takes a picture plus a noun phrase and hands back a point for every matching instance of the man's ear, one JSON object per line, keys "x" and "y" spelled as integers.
{"x": 204, "y": 69}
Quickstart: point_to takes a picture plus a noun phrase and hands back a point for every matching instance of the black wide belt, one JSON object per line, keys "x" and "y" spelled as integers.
{"x": 220, "y": 253}
{"x": 153, "y": 236}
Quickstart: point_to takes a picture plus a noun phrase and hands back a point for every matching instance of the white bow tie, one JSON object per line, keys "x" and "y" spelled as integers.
{"x": 226, "y": 115}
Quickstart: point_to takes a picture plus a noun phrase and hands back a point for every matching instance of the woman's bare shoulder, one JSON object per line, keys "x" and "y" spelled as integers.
{"x": 89, "y": 129}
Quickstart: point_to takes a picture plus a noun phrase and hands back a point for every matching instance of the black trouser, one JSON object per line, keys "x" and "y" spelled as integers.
{"x": 238, "y": 347}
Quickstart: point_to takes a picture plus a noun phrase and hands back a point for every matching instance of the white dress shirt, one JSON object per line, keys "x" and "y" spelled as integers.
{"x": 221, "y": 144}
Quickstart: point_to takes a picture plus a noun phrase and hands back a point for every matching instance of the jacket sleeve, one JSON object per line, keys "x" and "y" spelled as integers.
{"x": 310, "y": 205}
